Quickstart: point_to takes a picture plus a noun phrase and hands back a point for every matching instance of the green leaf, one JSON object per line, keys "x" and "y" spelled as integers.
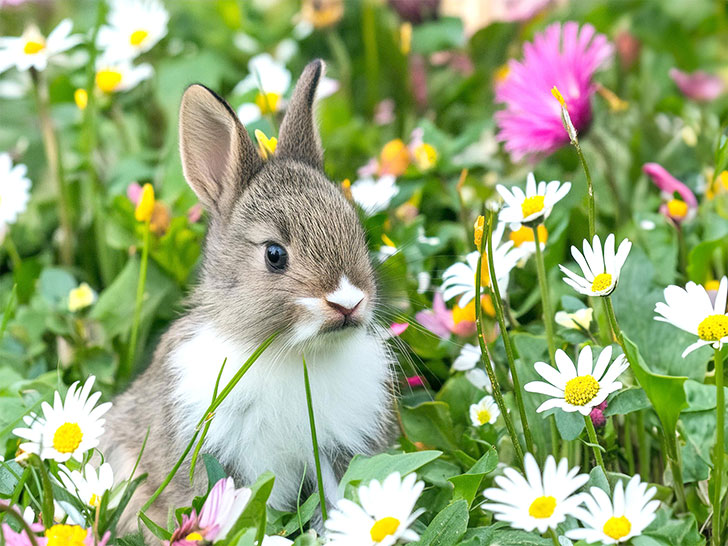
{"x": 627, "y": 401}
{"x": 364, "y": 469}
{"x": 570, "y": 424}
{"x": 215, "y": 471}
{"x": 251, "y": 515}
{"x": 157, "y": 530}
{"x": 54, "y": 285}
{"x": 666, "y": 393}
{"x": 432, "y": 36}
{"x": 448, "y": 526}
{"x": 431, "y": 424}
{"x": 466, "y": 485}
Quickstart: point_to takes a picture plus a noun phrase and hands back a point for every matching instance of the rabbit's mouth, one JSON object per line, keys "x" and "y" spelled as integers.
{"x": 344, "y": 323}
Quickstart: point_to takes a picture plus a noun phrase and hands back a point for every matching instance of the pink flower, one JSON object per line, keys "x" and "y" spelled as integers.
{"x": 134, "y": 192}
{"x": 597, "y": 415}
{"x": 699, "y": 85}
{"x": 563, "y": 56}
{"x": 398, "y": 328}
{"x": 676, "y": 209}
{"x": 439, "y": 320}
{"x": 194, "y": 213}
{"x": 188, "y": 528}
{"x": 415, "y": 381}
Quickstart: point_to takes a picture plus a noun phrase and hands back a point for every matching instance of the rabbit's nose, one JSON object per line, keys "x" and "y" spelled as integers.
{"x": 346, "y": 311}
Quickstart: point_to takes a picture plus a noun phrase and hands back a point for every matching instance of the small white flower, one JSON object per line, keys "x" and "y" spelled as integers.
{"x": 14, "y": 190}
{"x": 691, "y": 309}
{"x": 271, "y": 79}
{"x": 68, "y": 428}
{"x": 580, "y": 319}
{"x": 601, "y": 269}
{"x": 536, "y": 502}
{"x": 467, "y": 359}
{"x": 647, "y": 225}
{"x": 581, "y": 389}
{"x": 616, "y": 520}
{"x": 479, "y": 379}
{"x": 533, "y": 206}
{"x": 459, "y": 279}
{"x": 384, "y": 517}
{"x": 33, "y": 50}
{"x": 374, "y": 195}
{"x": 134, "y": 27}
{"x": 484, "y": 412}
{"x": 115, "y": 76}
{"x": 90, "y": 486}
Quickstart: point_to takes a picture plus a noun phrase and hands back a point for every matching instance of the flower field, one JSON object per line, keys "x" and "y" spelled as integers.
{"x": 429, "y": 272}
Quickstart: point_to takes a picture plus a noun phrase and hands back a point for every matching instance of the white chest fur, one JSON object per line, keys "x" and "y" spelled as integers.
{"x": 263, "y": 424}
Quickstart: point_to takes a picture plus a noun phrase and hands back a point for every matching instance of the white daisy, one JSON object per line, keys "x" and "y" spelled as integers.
{"x": 616, "y": 520}
{"x": 690, "y": 309}
{"x": 468, "y": 358}
{"x": 484, "y": 412}
{"x": 14, "y": 190}
{"x": 579, "y": 319}
{"x": 374, "y": 195}
{"x": 535, "y": 205}
{"x": 601, "y": 269}
{"x": 33, "y": 50}
{"x": 536, "y": 502}
{"x": 525, "y": 241}
{"x": 384, "y": 517}
{"x": 68, "y": 428}
{"x": 90, "y": 486}
{"x": 271, "y": 79}
{"x": 134, "y": 27}
{"x": 114, "y": 76}
{"x": 578, "y": 389}
{"x": 459, "y": 278}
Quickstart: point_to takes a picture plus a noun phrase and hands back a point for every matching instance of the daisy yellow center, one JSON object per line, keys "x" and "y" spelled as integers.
{"x": 484, "y": 416}
{"x": 525, "y": 235}
{"x": 94, "y": 501}
{"x": 267, "y": 102}
{"x": 501, "y": 73}
{"x": 32, "y": 47}
{"x": 194, "y": 536}
{"x": 467, "y": 313}
{"x": 542, "y": 507}
{"x": 677, "y": 208}
{"x": 532, "y": 205}
{"x": 581, "y": 390}
{"x": 65, "y": 535}
{"x": 617, "y": 528}
{"x": 601, "y": 282}
{"x": 713, "y": 328}
{"x": 137, "y": 37}
{"x": 67, "y": 438}
{"x": 384, "y": 527}
{"x": 108, "y": 79}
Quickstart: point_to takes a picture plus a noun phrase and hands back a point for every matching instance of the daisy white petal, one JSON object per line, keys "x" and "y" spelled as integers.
{"x": 600, "y": 266}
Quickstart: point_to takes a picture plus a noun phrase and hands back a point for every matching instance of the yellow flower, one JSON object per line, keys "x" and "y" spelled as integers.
{"x": 145, "y": 208}
{"x": 394, "y": 158}
{"x": 266, "y": 146}
{"x": 405, "y": 38}
{"x": 425, "y": 156}
{"x": 478, "y": 236}
{"x": 346, "y": 188}
{"x": 719, "y": 184}
{"x": 80, "y": 297}
{"x": 80, "y": 96}
{"x": 108, "y": 79}
{"x": 525, "y": 235}
{"x": 66, "y": 535}
{"x": 322, "y": 13}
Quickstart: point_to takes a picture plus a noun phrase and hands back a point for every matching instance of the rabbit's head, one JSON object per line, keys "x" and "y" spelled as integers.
{"x": 285, "y": 251}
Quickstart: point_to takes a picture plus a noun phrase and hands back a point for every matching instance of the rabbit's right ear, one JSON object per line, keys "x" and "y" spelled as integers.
{"x": 218, "y": 157}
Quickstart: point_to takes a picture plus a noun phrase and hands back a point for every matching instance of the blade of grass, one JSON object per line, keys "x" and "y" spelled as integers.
{"x": 314, "y": 440}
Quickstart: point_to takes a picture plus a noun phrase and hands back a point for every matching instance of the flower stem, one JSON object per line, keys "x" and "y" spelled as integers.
{"x": 55, "y": 166}
{"x": 627, "y": 442}
{"x": 591, "y": 207}
{"x": 548, "y": 316}
{"x": 595, "y": 442}
{"x": 314, "y": 440}
{"x": 718, "y": 450}
{"x": 498, "y": 304}
{"x": 126, "y": 372}
{"x": 485, "y": 359}
{"x": 554, "y": 537}
{"x": 13, "y": 252}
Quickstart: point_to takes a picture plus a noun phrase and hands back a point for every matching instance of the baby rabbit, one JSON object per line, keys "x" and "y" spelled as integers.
{"x": 285, "y": 252}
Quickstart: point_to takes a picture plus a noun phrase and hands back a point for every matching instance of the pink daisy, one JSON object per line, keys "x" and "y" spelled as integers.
{"x": 565, "y": 56}
{"x": 699, "y": 86}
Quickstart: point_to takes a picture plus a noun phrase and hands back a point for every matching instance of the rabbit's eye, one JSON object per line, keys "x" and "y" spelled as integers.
{"x": 276, "y": 258}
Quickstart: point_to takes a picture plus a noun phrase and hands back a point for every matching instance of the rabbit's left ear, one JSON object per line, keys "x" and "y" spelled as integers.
{"x": 299, "y": 137}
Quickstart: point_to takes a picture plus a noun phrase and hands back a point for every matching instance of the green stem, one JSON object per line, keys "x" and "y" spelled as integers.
{"x": 13, "y": 252}
{"x": 643, "y": 453}
{"x": 196, "y": 453}
{"x": 595, "y": 442}
{"x": 211, "y": 409}
{"x": 554, "y": 537}
{"x": 719, "y": 446}
{"x": 371, "y": 57}
{"x": 548, "y": 316}
{"x": 485, "y": 359}
{"x": 627, "y": 442}
{"x": 127, "y": 371}
{"x": 55, "y": 166}
{"x": 591, "y": 207}
{"x": 314, "y": 440}
{"x": 498, "y": 304}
